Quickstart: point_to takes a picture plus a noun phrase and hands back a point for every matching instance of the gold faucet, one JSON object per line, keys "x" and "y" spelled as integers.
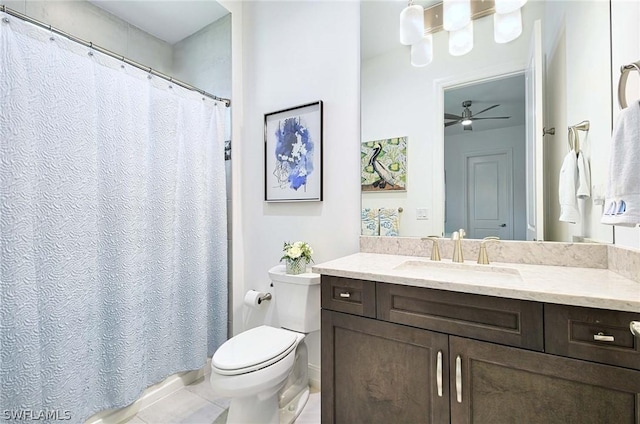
{"x": 483, "y": 258}
{"x": 457, "y": 237}
{"x": 435, "y": 251}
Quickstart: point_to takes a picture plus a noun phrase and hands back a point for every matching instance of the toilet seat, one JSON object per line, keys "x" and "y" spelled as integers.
{"x": 253, "y": 349}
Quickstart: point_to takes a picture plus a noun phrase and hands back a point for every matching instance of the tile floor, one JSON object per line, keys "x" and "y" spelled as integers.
{"x": 197, "y": 404}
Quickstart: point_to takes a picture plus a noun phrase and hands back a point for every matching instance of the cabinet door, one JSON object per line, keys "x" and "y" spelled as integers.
{"x": 499, "y": 384}
{"x": 378, "y": 372}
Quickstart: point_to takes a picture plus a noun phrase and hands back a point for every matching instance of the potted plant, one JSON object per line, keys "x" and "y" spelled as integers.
{"x": 297, "y": 256}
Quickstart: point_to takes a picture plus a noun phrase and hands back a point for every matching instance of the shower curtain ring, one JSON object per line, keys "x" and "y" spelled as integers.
{"x": 149, "y": 76}
{"x": 90, "y": 49}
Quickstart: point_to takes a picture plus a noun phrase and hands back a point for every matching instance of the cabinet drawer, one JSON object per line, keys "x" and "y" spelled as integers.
{"x": 506, "y": 321}
{"x": 347, "y": 295}
{"x": 597, "y": 335}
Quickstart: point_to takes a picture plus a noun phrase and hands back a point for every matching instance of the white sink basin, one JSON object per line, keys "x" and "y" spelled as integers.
{"x": 462, "y": 272}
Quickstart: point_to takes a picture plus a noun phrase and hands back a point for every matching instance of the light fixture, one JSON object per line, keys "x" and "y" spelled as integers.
{"x": 456, "y": 14}
{"x": 507, "y": 27}
{"x": 461, "y": 41}
{"x": 466, "y": 115}
{"x": 507, "y": 6}
{"x": 411, "y": 24}
{"x": 422, "y": 51}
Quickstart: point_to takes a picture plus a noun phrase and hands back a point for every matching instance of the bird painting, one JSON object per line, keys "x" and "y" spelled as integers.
{"x": 384, "y": 164}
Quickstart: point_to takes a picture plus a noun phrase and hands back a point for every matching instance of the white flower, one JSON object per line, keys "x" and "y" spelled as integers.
{"x": 294, "y": 252}
{"x": 297, "y": 250}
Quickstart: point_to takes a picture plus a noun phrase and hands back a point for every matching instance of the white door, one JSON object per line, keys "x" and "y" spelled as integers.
{"x": 534, "y": 148}
{"x": 490, "y": 195}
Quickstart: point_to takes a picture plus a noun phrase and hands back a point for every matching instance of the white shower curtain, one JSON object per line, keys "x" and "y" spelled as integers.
{"x": 113, "y": 262}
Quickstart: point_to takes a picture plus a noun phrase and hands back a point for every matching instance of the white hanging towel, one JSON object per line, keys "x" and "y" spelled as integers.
{"x": 567, "y": 189}
{"x": 622, "y": 199}
{"x": 584, "y": 177}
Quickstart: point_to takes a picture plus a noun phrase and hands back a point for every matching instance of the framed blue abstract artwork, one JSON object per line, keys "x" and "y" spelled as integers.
{"x": 293, "y": 154}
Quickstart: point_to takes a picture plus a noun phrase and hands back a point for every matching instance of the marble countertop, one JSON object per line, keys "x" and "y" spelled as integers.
{"x": 589, "y": 287}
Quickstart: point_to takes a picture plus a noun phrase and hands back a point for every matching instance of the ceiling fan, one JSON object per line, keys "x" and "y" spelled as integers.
{"x": 467, "y": 117}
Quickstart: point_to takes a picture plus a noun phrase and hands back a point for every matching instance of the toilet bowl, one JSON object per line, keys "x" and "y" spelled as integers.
{"x": 264, "y": 370}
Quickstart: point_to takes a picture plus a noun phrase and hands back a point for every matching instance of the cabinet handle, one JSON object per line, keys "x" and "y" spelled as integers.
{"x": 601, "y": 337}
{"x": 439, "y": 373}
{"x": 634, "y": 326}
{"x": 345, "y": 294}
{"x": 459, "y": 379}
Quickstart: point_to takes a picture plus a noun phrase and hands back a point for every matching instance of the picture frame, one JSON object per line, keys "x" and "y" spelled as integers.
{"x": 383, "y": 165}
{"x": 293, "y": 154}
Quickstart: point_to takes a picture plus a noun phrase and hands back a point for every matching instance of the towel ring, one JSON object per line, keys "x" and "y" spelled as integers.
{"x": 622, "y": 82}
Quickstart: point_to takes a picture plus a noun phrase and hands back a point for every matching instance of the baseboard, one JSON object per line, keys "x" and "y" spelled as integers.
{"x": 171, "y": 384}
{"x": 314, "y": 376}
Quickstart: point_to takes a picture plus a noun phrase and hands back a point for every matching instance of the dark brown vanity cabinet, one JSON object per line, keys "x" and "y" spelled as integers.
{"x": 377, "y": 372}
{"x": 433, "y": 356}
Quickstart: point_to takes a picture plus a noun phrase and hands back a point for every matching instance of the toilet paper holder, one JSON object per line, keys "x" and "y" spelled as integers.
{"x": 266, "y": 296}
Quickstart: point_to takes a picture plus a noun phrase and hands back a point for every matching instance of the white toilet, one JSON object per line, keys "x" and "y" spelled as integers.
{"x": 264, "y": 370}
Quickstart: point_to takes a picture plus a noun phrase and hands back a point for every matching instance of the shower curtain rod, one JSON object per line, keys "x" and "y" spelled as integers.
{"x": 89, "y": 44}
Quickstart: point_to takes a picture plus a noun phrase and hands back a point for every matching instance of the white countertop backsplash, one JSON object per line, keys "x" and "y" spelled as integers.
{"x": 580, "y": 274}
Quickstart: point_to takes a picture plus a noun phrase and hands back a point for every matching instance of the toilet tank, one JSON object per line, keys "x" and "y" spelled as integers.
{"x": 297, "y": 299}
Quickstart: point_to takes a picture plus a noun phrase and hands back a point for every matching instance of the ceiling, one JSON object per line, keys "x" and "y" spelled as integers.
{"x": 170, "y": 21}
{"x": 508, "y": 92}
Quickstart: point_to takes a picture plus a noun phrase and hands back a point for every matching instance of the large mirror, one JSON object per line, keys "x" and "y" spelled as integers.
{"x": 485, "y": 178}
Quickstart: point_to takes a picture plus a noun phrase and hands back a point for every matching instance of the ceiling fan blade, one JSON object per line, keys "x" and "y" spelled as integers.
{"x": 451, "y": 116}
{"x": 493, "y": 117}
{"x": 482, "y": 111}
{"x": 448, "y": 124}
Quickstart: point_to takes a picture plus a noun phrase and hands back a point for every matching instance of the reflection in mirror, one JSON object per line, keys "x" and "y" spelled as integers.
{"x": 399, "y": 100}
{"x": 484, "y": 159}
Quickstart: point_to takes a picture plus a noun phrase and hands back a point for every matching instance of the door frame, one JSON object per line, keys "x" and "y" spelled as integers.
{"x": 474, "y": 76}
{"x": 509, "y": 181}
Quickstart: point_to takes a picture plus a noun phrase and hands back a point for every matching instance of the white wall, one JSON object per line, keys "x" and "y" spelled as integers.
{"x": 84, "y": 20}
{"x": 625, "y": 16}
{"x": 204, "y": 58}
{"x": 456, "y": 146}
{"x": 555, "y": 146}
{"x": 295, "y": 53}
{"x": 401, "y": 100}
{"x": 577, "y": 89}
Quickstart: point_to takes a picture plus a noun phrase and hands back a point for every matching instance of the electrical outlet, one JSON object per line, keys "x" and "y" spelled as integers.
{"x": 422, "y": 213}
